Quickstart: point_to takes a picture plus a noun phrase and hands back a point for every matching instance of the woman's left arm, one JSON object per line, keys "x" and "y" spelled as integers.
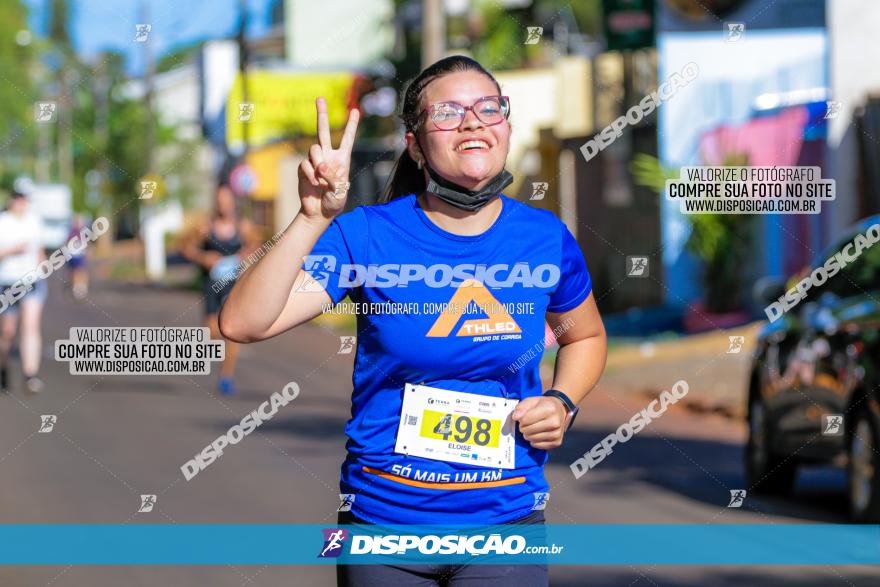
{"x": 580, "y": 361}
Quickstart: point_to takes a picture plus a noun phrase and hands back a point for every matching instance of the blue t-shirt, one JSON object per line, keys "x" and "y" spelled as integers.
{"x": 401, "y": 268}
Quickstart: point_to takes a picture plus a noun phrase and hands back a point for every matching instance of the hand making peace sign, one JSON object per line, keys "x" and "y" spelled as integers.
{"x": 323, "y": 177}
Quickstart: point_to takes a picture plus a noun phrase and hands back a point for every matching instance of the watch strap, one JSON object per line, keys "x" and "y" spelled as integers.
{"x": 570, "y": 406}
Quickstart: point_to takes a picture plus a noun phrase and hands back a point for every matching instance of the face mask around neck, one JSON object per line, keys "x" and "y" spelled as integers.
{"x": 463, "y": 198}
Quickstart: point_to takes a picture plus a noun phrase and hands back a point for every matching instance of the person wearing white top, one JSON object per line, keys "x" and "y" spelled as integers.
{"x": 21, "y": 251}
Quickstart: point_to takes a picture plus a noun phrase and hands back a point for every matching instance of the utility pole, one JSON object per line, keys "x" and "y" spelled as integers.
{"x": 243, "y": 58}
{"x": 43, "y": 161}
{"x": 154, "y": 247}
{"x": 43, "y": 155}
{"x": 149, "y": 133}
{"x": 433, "y": 32}
{"x": 102, "y": 134}
{"x": 60, "y": 37}
{"x": 242, "y": 70}
{"x": 65, "y": 124}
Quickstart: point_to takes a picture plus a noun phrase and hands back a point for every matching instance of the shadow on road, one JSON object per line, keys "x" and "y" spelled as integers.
{"x": 700, "y": 470}
{"x": 109, "y": 384}
{"x": 303, "y": 427}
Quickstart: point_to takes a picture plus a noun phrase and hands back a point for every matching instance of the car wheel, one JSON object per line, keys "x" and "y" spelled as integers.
{"x": 766, "y": 472}
{"x": 862, "y": 468}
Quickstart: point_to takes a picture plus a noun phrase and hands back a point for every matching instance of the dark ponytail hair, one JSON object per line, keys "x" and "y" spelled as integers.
{"x": 406, "y": 177}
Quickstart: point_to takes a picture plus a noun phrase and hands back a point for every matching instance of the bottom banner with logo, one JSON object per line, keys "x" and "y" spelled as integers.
{"x": 569, "y": 544}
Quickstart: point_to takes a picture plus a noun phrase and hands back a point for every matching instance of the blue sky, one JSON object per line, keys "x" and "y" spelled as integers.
{"x": 110, "y": 24}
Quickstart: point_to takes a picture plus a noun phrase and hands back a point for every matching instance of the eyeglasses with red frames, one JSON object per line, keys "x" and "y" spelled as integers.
{"x": 490, "y": 110}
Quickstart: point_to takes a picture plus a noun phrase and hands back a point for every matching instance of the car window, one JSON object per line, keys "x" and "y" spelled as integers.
{"x": 863, "y": 275}
{"x": 860, "y": 276}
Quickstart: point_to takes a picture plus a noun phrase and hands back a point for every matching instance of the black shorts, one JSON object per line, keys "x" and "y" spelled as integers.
{"x": 451, "y": 575}
{"x": 214, "y": 299}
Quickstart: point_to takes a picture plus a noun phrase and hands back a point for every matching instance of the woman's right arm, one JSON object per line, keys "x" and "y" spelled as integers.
{"x": 264, "y": 301}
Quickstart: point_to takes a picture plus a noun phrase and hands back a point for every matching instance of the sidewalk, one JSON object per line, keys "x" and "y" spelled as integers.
{"x": 718, "y": 380}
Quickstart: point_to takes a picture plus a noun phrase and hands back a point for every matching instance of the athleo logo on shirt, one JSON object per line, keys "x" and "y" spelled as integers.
{"x": 437, "y": 275}
{"x": 498, "y": 320}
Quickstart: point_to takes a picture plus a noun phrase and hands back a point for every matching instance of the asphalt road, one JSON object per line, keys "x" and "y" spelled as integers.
{"x": 119, "y": 437}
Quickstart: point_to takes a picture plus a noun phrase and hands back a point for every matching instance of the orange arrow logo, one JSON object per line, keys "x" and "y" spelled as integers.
{"x": 498, "y": 320}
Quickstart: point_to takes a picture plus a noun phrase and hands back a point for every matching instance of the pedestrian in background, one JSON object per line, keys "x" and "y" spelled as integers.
{"x": 217, "y": 246}
{"x": 21, "y": 250}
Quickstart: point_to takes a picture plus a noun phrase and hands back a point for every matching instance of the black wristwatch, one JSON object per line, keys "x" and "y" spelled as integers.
{"x": 570, "y": 408}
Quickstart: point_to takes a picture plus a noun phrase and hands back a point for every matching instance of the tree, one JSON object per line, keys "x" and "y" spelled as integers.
{"x": 16, "y": 92}
{"x": 121, "y": 153}
{"x": 720, "y": 241}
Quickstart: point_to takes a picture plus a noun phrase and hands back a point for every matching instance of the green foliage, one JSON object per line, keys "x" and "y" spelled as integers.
{"x": 647, "y": 171}
{"x": 501, "y": 43}
{"x": 498, "y": 41}
{"x": 587, "y": 13}
{"x": 123, "y": 152}
{"x": 48, "y": 67}
{"x": 178, "y": 56}
{"x": 720, "y": 241}
{"x": 16, "y": 94}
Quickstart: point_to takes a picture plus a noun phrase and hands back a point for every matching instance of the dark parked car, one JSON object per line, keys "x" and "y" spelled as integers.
{"x": 814, "y": 391}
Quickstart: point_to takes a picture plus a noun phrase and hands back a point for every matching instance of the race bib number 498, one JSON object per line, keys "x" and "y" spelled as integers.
{"x": 460, "y": 428}
{"x": 456, "y": 426}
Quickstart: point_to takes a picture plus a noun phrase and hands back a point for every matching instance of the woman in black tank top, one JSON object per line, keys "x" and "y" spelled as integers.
{"x": 218, "y": 247}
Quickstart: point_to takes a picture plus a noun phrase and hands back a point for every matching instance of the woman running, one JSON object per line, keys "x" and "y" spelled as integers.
{"x": 217, "y": 247}
{"x": 21, "y": 251}
{"x": 478, "y": 273}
